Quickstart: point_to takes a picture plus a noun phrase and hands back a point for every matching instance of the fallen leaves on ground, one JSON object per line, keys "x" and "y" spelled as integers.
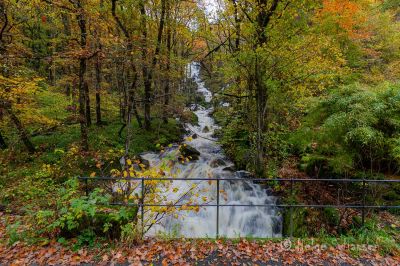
{"x": 191, "y": 252}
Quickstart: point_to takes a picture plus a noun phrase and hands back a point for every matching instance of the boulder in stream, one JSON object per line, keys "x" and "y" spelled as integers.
{"x": 143, "y": 161}
{"x": 217, "y": 162}
{"x": 230, "y": 168}
{"x": 244, "y": 174}
{"x": 189, "y": 152}
{"x": 206, "y": 129}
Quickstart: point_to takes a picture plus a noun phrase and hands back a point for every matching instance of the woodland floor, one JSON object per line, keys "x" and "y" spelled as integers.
{"x": 191, "y": 252}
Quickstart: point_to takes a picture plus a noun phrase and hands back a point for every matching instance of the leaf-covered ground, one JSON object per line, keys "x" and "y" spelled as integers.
{"x": 194, "y": 252}
{"x": 188, "y": 252}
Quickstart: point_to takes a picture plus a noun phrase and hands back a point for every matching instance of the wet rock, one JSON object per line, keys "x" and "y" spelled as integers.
{"x": 194, "y": 136}
{"x": 215, "y": 135}
{"x": 246, "y": 186}
{"x": 189, "y": 151}
{"x": 230, "y": 168}
{"x": 244, "y": 174}
{"x": 248, "y": 175}
{"x": 206, "y": 129}
{"x": 276, "y": 225}
{"x": 217, "y": 162}
{"x": 143, "y": 161}
{"x": 268, "y": 191}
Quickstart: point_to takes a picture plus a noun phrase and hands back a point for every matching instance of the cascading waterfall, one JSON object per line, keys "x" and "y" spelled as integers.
{"x": 233, "y": 221}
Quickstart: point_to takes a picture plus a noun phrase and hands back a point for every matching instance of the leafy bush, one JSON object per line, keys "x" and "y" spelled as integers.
{"x": 353, "y": 129}
{"x": 85, "y": 217}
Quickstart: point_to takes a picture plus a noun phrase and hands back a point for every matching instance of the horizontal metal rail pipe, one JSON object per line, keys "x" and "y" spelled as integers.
{"x": 143, "y": 205}
{"x": 341, "y": 180}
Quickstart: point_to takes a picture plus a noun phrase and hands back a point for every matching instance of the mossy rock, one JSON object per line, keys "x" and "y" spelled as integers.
{"x": 189, "y": 152}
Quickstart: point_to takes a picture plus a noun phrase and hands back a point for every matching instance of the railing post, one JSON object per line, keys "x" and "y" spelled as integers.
{"x": 291, "y": 209}
{"x": 142, "y": 207}
{"x": 217, "y": 235}
{"x": 363, "y": 203}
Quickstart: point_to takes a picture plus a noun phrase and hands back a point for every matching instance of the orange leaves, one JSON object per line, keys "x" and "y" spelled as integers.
{"x": 185, "y": 252}
{"x": 349, "y": 15}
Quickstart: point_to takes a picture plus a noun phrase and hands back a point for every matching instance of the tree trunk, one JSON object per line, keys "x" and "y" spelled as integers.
{"x": 145, "y": 70}
{"x": 148, "y": 73}
{"x": 67, "y": 31}
{"x": 82, "y": 70}
{"x": 3, "y": 12}
{"x": 132, "y": 103}
{"x": 168, "y": 68}
{"x": 87, "y": 105}
{"x": 237, "y": 48}
{"x": 263, "y": 19}
{"x": 21, "y": 130}
{"x": 260, "y": 104}
{"x": 98, "y": 88}
{"x": 3, "y": 144}
{"x": 237, "y": 26}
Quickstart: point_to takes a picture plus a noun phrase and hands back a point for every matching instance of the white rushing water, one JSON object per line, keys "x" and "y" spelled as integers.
{"x": 233, "y": 221}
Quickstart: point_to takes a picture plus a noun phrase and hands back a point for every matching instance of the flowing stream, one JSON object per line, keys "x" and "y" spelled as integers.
{"x": 233, "y": 221}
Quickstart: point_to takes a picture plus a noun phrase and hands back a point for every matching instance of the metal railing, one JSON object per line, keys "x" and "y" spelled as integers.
{"x": 291, "y": 206}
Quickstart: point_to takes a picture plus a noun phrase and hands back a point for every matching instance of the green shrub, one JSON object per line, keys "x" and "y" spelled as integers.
{"x": 353, "y": 129}
{"x": 331, "y": 216}
{"x": 84, "y": 217}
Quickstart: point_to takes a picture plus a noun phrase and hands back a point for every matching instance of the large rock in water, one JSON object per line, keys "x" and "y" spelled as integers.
{"x": 143, "y": 161}
{"x": 189, "y": 152}
{"x": 230, "y": 168}
{"x": 248, "y": 175}
{"x": 217, "y": 162}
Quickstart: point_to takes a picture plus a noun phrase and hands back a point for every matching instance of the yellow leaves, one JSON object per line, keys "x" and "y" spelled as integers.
{"x": 93, "y": 174}
{"x": 129, "y": 162}
{"x": 132, "y": 197}
{"x": 115, "y": 172}
{"x": 19, "y": 88}
{"x": 61, "y": 151}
